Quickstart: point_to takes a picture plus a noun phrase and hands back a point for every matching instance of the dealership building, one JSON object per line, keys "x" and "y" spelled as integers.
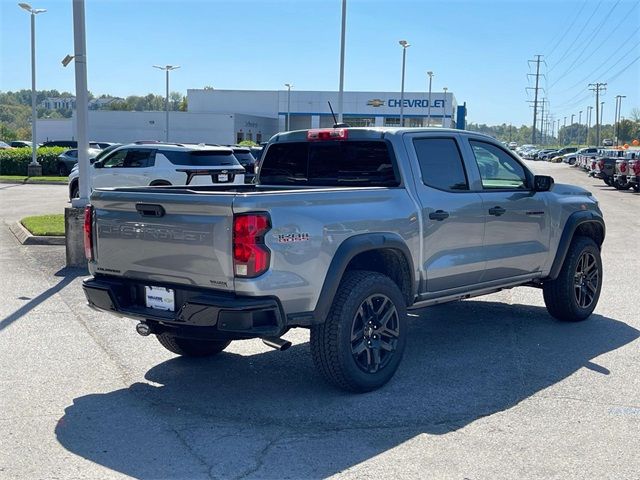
{"x": 230, "y": 116}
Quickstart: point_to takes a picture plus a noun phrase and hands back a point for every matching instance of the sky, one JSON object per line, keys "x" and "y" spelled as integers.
{"x": 478, "y": 49}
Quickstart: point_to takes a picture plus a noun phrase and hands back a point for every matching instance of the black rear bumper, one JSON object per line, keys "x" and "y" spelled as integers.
{"x": 198, "y": 312}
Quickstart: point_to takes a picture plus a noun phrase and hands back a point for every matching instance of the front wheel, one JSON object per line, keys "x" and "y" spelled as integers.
{"x": 573, "y": 296}
{"x": 621, "y": 186}
{"x": 188, "y": 347}
{"x": 360, "y": 345}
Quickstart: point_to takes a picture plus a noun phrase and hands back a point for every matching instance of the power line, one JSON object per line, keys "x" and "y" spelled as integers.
{"x": 623, "y": 69}
{"x": 603, "y": 65}
{"x": 577, "y": 37}
{"x": 588, "y": 44}
{"x": 565, "y": 31}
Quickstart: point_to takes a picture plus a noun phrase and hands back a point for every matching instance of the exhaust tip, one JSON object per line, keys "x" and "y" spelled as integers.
{"x": 277, "y": 343}
{"x": 143, "y": 329}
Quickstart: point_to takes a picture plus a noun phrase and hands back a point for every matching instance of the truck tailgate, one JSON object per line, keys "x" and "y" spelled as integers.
{"x": 174, "y": 238}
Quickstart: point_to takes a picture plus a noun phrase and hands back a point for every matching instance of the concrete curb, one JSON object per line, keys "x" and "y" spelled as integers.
{"x": 25, "y": 237}
{"x": 27, "y": 182}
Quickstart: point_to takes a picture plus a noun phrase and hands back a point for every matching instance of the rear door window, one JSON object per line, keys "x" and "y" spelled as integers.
{"x": 337, "y": 163}
{"x": 441, "y": 163}
{"x": 142, "y": 158}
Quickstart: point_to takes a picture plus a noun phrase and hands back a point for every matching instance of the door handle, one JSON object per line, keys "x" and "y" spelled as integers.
{"x": 497, "y": 211}
{"x": 438, "y": 215}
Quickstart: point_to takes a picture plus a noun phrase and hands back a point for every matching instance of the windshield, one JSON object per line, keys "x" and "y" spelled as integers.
{"x": 336, "y": 163}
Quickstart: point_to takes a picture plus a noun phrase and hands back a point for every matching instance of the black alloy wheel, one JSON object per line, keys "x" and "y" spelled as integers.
{"x": 374, "y": 333}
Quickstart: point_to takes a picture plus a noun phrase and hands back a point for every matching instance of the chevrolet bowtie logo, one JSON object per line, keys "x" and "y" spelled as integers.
{"x": 376, "y": 102}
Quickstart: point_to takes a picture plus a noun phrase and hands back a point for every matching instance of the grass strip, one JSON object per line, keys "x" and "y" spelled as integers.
{"x": 44, "y": 225}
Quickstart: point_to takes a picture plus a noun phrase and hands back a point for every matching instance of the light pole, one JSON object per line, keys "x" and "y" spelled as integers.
{"x": 444, "y": 108}
{"x": 289, "y": 87}
{"x": 601, "y": 122}
{"x": 341, "y": 90}
{"x": 430, "y": 73}
{"x": 404, "y": 45}
{"x": 34, "y": 166}
{"x": 167, "y": 69}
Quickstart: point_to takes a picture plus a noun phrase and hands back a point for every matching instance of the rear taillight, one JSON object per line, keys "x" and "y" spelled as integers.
{"x": 88, "y": 232}
{"x": 327, "y": 134}
{"x": 623, "y": 167}
{"x": 601, "y": 164}
{"x": 636, "y": 167}
{"x": 251, "y": 257}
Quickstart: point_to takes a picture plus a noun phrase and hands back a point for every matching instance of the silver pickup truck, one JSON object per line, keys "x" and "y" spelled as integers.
{"x": 343, "y": 232}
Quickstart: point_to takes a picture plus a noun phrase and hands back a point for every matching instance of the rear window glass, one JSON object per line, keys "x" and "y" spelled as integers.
{"x": 204, "y": 158}
{"x": 244, "y": 157}
{"x": 350, "y": 163}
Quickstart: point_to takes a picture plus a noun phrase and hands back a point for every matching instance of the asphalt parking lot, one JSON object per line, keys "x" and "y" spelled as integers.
{"x": 489, "y": 388}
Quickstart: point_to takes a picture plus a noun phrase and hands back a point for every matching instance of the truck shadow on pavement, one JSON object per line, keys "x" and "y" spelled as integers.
{"x": 271, "y": 416}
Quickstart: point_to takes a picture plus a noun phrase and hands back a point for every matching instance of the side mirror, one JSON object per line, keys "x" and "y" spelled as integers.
{"x": 542, "y": 183}
{"x": 98, "y": 165}
{"x": 92, "y": 161}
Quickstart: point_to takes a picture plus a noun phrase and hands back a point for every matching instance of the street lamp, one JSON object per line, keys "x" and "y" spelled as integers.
{"x": 167, "y": 69}
{"x": 430, "y": 73}
{"x": 289, "y": 87}
{"x": 404, "y": 45}
{"x": 444, "y": 108}
{"x": 341, "y": 89}
{"x": 34, "y": 154}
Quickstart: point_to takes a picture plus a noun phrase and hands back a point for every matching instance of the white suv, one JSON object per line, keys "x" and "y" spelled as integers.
{"x": 152, "y": 163}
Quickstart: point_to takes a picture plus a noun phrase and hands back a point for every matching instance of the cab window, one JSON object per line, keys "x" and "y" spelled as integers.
{"x": 498, "y": 169}
{"x": 441, "y": 163}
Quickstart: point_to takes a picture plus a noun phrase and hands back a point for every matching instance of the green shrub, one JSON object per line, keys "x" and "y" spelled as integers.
{"x": 15, "y": 161}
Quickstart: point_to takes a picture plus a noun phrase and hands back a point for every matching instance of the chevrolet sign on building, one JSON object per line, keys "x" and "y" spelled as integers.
{"x": 310, "y": 109}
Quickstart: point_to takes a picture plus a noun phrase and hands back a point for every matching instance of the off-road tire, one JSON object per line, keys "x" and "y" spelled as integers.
{"x": 332, "y": 342}
{"x": 188, "y": 347}
{"x": 621, "y": 186}
{"x": 560, "y": 294}
{"x": 636, "y": 187}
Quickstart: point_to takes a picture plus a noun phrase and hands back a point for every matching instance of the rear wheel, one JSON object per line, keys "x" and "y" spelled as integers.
{"x": 621, "y": 186}
{"x": 188, "y": 347}
{"x": 573, "y": 296}
{"x": 75, "y": 191}
{"x": 63, "y": 171}
{"x": 360, "y": 345}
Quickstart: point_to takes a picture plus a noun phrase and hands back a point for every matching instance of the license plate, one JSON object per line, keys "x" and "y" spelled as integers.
{"x": 159, "y": 298}
{"x": 223, "y": 177}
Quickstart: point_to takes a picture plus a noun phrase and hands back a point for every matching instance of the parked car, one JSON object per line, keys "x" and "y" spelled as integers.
{"x": 21, "y": 144}
{"x": 625, "y": 176}
{"x": 513, "y": 145}
{"x": 247, "y": 160}
{"x": 68, "y": 159}
{"x": 605, "y": 169}
{"x": 607, "y": 142}
{"x": 634, "y": 173}
{"x": 547, "y": 156}
{"x": 158, "y": 164}
{"x": 74, "y": 144}
{"x": 344, "y": 231}
{"x": 5, "y": 146}
{"x": 571, "y": 158}
{"x": 538, "y": 155}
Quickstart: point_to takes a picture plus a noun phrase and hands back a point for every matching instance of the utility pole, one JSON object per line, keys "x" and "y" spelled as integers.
{"x": 617, "y": 115}
{"x": 542, "y": 121}
{"x": 598, "y": 87}
{"x": 535, "y": 97}
{"x": 589, "y": 108}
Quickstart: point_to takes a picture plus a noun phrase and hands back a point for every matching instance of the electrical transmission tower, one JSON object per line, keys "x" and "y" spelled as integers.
{"x": 598, "y": 87}
{"x": 537, "y": 61}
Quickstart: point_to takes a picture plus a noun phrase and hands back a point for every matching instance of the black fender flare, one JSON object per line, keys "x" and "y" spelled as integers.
{"x": 573, "y": 222}
{"x": 347, "y": 250}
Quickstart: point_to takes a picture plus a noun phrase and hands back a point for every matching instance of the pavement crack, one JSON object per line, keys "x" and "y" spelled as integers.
{"x": 260, "y": 459}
